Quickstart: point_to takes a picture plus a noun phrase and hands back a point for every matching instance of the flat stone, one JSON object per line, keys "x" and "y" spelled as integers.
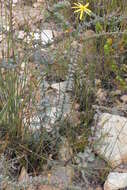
{"x": 47, "y": 36}
{"x": 98, "y": 188}
{"x": 23, "y": 177}
{"x": 14, "y": 1}
{"x": 116, "y": 181}
{"x": 111, "y": 136}
{"x": 63, "y": 86}
{"x": 55, "y": 103}
{"x": 62, "y": 176}
{"x": 48, "y": 187}
{"x": 116, "y": 93}
{"x": 101, "y": 95}
{"x": 123, "y": 98}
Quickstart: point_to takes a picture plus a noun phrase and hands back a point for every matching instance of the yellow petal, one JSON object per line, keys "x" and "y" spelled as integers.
{"x": 82, "y": 9}
{"x": 76, "y": 4}
{"x": 86, "y": 5}
{"x": 79, "y": 4}
{"x": 79, "y": 10}
{"x": 81, "y": 15}
{"x": 88, "y": 11}
{"x": 75, "y": 7}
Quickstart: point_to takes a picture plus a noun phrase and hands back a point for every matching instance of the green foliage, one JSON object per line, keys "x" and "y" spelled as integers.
{"x": 115, "y": 68}
{"x": 58, "y": 13}
{"x": 61, "y": 5}
{"x": 98, "y": 27}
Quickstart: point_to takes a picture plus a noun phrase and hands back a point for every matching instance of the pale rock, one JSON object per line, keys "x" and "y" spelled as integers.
{"x": 90, "y": 188}
{"x": 76, "y": 106}
{"x": 98, "y": 188}
{"x": 121, "y": 168}
{"x": 62, "y": 176}
{"x": 35, "y": 123}
{"x": 21, "y": 35}
{"x": 23, "y": 177}
{"x": 93, "y": 188}
{"x": 47, "y": 187}
{"x": 116, "y": 93}
{"x": 116, "y": 181}
{"x": 62, "y": 86}
{"x": 60, "y": 100}
{"x": 101, "y": 95}
{"x": 56, "y": 103}
{"x": 14, "y": 1}
{"x": 7, "y": 187}
{"x": 36, "y": 5}
{"x": 111, "y": 136}
{"x": 98, "y": 82}
{"x": 31, "y": 187}
{"x": 4, "y": 185}
{"x": 40, "y": 1}
{"x": 47, "y": 36}
{"x": 43, "y": 187}
{"x": 123, "y": 98}
{"x": 74, "y": 44}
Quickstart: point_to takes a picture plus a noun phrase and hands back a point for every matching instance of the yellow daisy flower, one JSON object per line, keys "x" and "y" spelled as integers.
{"x": 81, "y": 9}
